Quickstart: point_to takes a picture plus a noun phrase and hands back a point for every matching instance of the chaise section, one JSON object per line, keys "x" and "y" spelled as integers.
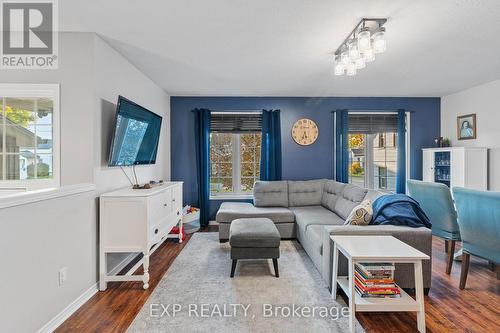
{"x": 314, "y": 215}
{"x": 230, "y": 211}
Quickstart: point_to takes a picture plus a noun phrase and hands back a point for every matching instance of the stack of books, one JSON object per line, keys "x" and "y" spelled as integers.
{"x": 376, "y": 280}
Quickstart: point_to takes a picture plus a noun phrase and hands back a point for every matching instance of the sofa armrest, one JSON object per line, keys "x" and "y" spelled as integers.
{"x": 419, "y": 238}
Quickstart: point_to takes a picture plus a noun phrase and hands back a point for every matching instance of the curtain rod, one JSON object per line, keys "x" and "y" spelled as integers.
{"x": 374, "y": 110}
{"x": 247, "y": 111}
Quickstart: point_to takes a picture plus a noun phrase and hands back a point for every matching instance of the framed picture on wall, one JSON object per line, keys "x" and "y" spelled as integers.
{"x": 466, "y": 127}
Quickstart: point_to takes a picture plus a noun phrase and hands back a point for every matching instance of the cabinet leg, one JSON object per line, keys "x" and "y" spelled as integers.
{"x": 102, "y": 271}
{"x": 145, "y": 264}
{"x": 180, "y": 231}
{"x": 419, "y": 296}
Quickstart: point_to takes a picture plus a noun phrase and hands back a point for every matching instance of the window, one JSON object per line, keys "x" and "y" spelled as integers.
{"x": 29, "y": 153}
{"x": 234, "y": 154}
{"x": 373, "y": 150}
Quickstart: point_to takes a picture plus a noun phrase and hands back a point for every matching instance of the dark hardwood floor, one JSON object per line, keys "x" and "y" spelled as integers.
{"x": 448, "y": 309}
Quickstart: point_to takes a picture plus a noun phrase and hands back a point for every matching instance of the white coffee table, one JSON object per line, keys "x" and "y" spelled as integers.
{"x": 378, "y": 249}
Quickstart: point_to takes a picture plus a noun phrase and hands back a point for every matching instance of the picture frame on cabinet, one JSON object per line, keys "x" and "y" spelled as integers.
{"x": 466, "y": 127}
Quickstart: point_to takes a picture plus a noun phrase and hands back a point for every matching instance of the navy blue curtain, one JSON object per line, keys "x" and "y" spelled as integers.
{"x": 401, "y": 174}
{"x": 341, "y": 145}
{"x": 270, "y": 156}
{"x": 202, "y": 137}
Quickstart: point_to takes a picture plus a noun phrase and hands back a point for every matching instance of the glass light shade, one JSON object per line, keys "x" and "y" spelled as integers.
{"x": 344, "y": 58}
{"x": 364, "y": 40}
{"x": 352, "y": 44}
{"x": 351, "y": 69}
{"x": 339, "y": 66}
{"x": 379, "y": 41}
{"x": 360, "y": 63}
{"x": 369, "y": 55}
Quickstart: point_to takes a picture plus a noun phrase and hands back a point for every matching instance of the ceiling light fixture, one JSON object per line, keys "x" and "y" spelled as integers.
{"x": 360, "y": 46}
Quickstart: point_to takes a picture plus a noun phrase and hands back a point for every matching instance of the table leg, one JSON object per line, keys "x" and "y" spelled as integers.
{"x": 352, "y": 298}
{"x": 335, "y": 270}
{"x": 419, "y": 296}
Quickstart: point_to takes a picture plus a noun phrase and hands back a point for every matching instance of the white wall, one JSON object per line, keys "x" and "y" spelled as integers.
{"x": 76, "y": 84}
{"x": 114, "y": 76}
{"x": 36, "y": 240}
{"x": 484, "y": 100}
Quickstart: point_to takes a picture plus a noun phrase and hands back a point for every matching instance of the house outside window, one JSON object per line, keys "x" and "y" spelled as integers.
{"x": 235, "y": 146}
{"x": 29, "y": 136}
{"x": 373, "y": 151}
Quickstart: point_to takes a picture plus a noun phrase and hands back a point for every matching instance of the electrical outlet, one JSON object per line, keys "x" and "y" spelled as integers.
{"x": 63, "y": 275}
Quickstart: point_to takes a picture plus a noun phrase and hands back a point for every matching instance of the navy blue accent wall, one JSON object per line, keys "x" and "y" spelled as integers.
{"x": 299, "y": 162}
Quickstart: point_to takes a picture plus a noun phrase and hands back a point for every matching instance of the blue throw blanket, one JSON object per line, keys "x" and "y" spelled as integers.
{"x": 399, "y": 209}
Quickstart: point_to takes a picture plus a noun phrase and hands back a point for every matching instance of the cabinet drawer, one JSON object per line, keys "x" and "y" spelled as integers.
{"x": 154, "y": 234}
{"x": 177, "y": 198}
{"x": 160, "y": 206}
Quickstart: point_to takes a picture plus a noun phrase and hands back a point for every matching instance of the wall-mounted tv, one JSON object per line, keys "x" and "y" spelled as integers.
{"x": 136, "y": 135}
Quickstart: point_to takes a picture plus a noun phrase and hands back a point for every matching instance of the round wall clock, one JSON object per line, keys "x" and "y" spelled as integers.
{"x": 305, "y": 132}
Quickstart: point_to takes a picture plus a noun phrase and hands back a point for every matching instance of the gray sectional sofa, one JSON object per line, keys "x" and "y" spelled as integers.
{"x": 311, "y": 211}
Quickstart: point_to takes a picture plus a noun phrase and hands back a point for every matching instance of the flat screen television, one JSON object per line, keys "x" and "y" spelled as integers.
{"x": 136, "y": 135}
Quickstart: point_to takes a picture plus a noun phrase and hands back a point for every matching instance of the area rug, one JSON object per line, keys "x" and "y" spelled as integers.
{"x": 197, "y": 294}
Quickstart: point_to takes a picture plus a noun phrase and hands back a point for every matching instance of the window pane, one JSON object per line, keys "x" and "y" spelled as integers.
{"x": 248, "y": 169}
{"x": 221, "y": 162}
{"x": 357, "y": 159}
{"x": 247, "y": 184}
{"x": 44, "y": 139}
{"x": 248, "y": 154}
{"x": 20, "y": 112}
{"x": 44, "y": 166}
{"x": 16, "y": 167}
{"x": 249, "y": 160}
{"x": 18, "y": 138}
{"x": 226, "y": 169}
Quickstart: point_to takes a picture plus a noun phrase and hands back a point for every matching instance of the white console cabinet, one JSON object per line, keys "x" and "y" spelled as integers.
{"x": 137, "y": 220}
{"x": 456, "y": 166}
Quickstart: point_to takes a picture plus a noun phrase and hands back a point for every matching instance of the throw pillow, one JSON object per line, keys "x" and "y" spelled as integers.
{"x": 361, "y": 214}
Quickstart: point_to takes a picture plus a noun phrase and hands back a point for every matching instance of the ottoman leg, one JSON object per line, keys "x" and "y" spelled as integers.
{"x": 275, "y": 264}
{"x": 233, "y": 267}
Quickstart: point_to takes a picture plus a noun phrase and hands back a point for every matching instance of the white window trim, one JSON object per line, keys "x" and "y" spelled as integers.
{"x": 37, "y": 90}
{"x": 408, "y": 145}
{"x": 236, "y": 176}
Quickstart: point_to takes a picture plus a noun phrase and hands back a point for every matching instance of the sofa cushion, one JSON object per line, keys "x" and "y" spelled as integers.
{"x": 331, "y": 192}
{"x": 361, "y": 214}
{"x": 372, "y": 195}
{"x": 254, "y": 232}
{"x": 314, "y": 234}
{"x": 230, "y": 211}
{"x": 351, "y": 197}
{"x": 270, "y": 194}
{"x": 314, "y": 215}
{"x": 305, "y": 193}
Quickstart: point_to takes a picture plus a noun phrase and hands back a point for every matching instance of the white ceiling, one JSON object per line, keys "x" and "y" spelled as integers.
{"x": 284, "y": 47}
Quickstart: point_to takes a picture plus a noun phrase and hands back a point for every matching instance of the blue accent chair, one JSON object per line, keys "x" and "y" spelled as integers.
{"x": 479, "y": 221}
{"x": 436, "y": 201}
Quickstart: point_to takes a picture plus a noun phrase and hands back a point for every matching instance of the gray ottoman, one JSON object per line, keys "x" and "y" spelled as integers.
{"x": 254, "y": 238}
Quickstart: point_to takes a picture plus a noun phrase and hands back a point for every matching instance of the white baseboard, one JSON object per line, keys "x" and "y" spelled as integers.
{"x": 68, "y": 311}
{"x": 77, "y": 303}
{"x": 213, "y": 223}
